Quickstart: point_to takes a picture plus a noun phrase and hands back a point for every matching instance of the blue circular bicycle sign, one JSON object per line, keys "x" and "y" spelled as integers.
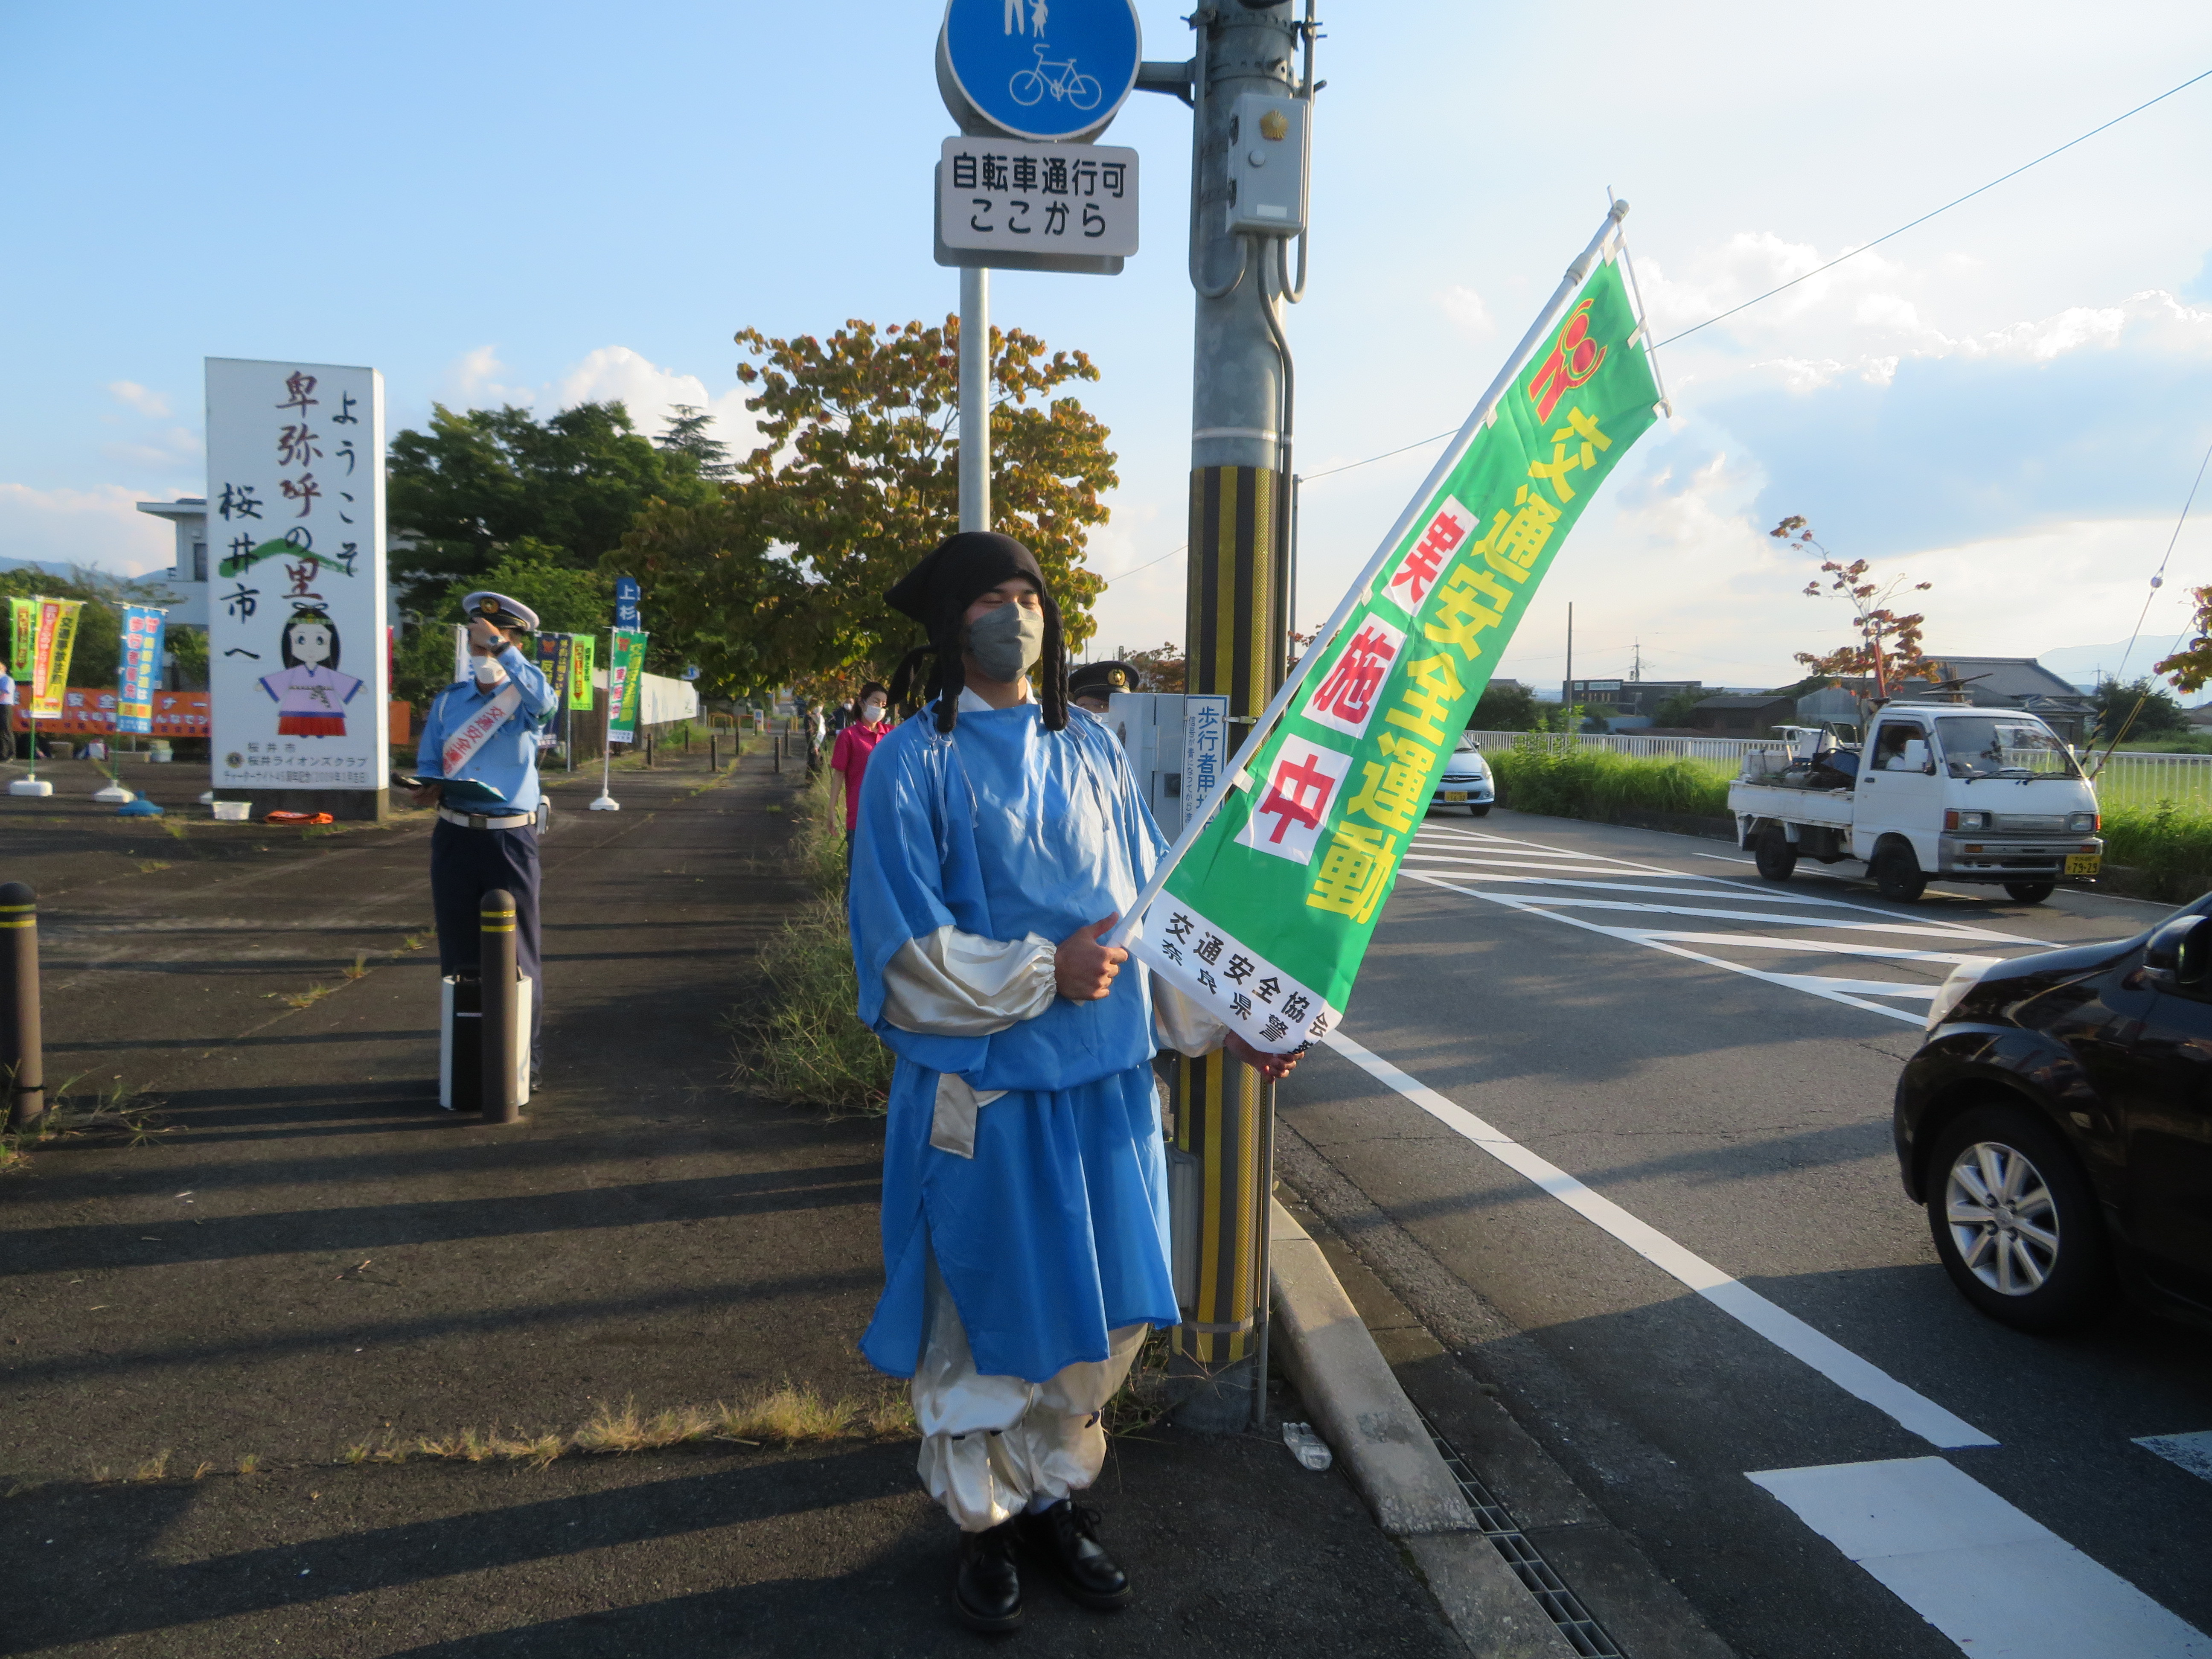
{"x": 1043, "y": 69}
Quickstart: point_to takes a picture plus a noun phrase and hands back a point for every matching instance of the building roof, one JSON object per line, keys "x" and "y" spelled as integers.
{"x": 1764, "y": 700}
{"x": 1998, "y": 680}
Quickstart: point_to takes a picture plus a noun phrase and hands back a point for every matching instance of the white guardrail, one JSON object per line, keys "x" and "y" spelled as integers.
{"x": 2127, "y": 778}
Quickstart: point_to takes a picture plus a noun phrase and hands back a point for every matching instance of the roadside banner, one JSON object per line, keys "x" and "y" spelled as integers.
{"x": 584, "y": 650}
{"x": 22, "y": 633}
{"x": 53, "y": 641}
{"x": 138, "y": 667}
{"x": 556, "y": 659}
{"x": 625, "y": 668}
{"x": 1263, "y": 911}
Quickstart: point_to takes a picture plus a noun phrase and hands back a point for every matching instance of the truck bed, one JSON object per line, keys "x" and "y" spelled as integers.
{"x": 1832, "y": 807}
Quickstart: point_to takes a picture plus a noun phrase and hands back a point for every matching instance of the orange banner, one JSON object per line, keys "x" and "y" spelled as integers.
{"x": 87, "y": 711}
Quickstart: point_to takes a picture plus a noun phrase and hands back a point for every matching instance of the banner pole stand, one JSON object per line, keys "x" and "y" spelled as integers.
{"x": 31, "y": 783}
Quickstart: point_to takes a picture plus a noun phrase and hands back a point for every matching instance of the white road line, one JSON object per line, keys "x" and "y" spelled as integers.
{"x": 1913, "y": 1411}
{"x": 1789, "y": 982}
{"x": 1919, "y": 928}
{"x": 1870, "y": 988}
{"x": 1722, "y": 857}
{"x": 2192, "y": 1452}
{"x": 1991, "y": 1577}
{"x": 1830, "y": 947}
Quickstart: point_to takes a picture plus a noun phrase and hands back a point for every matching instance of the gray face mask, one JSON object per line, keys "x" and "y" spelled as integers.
{"x": 1005, "y": 641}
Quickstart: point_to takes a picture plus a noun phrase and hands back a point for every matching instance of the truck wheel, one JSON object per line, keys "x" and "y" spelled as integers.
{"x": 2015, "y": 1224}
{"x": 1897, "y": 874}
{"x": 1775, "y": 858}
{"x": 2029, "y": 892}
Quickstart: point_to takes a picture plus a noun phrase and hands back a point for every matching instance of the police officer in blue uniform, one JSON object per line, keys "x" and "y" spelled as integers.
{"x": 479, "y": 766}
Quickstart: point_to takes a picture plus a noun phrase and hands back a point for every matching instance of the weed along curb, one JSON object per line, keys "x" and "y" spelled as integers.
{"x": 1368, "y": 1421}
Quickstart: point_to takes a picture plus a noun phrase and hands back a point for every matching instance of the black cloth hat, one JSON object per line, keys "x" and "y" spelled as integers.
{"x": 1103, "y": 679}
{"x": 937, "y": 593}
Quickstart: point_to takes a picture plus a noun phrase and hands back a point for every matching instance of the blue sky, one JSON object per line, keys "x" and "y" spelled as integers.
{"x": 555, "y": 201}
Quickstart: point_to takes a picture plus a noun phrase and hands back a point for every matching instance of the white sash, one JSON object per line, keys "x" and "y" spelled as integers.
{"x": 461, "y": 748}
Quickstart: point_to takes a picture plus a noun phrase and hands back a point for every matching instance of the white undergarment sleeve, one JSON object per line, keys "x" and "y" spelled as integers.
{"x": 949, "y": 983}
{"x": 952, "y": 1122}
{"x": 1182, "y": 1024}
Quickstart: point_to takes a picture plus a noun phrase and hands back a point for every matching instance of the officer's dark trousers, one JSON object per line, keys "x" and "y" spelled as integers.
{"x": 465, "y": 864}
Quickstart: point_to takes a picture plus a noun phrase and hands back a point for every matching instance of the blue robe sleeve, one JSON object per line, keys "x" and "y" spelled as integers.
{"x": 897, "y": 887}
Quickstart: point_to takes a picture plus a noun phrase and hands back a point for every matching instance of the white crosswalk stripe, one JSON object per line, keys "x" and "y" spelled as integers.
{"x": 1892, "y": 964}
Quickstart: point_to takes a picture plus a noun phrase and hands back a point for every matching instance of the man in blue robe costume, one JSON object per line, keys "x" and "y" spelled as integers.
{"x": 1025, "y": 1213}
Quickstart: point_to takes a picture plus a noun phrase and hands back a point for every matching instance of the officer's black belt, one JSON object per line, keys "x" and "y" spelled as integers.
{"x": 481, "y": 821}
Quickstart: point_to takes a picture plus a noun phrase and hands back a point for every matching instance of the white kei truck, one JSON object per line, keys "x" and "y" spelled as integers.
{"x": 1936, "y": 792}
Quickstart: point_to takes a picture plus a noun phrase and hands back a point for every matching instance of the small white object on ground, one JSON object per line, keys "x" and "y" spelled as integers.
{"x": 1307, "y": 1446}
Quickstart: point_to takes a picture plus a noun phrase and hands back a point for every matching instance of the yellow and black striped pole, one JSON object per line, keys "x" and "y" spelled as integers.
{"x": 1236, "y": 630}
{"x": 23, "y": 1042}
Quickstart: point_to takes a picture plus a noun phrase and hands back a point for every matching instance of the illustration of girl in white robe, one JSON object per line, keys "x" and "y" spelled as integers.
{"x": 310, "y": 694}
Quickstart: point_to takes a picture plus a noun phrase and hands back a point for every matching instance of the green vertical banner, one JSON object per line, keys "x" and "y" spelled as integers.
{"x": 1265, "y": 922}
{"x": 625, "y": 670}
{"x": 22, "y": 638}
{"x": 583, "y": 662}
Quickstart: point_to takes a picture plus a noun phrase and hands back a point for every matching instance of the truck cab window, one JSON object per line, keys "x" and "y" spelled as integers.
{"x": 1889, "y": 747}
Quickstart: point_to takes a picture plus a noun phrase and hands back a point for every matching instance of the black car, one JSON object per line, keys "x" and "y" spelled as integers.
{"x": 2058, "y": 1125}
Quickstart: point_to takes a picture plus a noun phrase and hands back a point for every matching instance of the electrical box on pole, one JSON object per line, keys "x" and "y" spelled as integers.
{"x": 1267, "y": 166}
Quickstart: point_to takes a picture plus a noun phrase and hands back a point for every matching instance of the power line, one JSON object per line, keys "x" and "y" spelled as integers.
{"x": 1946, "y": 208}
{"x": 1307, "y": 477}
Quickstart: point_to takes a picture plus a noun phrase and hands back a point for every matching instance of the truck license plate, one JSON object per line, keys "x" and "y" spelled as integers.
{"x": 1461, "y": 794}
{"x": 2082, "y": 864}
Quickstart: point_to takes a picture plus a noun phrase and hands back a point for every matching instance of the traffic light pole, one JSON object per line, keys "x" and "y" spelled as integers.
{"x": 1237, "y": 624}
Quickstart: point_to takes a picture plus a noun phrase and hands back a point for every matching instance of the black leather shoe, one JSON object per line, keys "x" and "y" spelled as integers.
{"x": 987, "y": 1592}
{"x": 1067, "y": 1536}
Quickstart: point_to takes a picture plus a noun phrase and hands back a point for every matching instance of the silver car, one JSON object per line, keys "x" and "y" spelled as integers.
{"x": 1466, "y": 781}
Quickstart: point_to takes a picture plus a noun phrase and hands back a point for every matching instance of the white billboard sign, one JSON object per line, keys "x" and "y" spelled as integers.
{"x": 296, "y": 654}
{"x": 1010, "y": 195}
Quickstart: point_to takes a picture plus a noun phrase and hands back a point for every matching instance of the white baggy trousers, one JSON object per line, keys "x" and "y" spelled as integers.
{"x": 990, "y": 1444}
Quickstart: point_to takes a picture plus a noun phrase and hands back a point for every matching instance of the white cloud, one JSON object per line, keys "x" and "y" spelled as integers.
{"x": 145, "y": 402}
{"x": 649, "y": 391}
{"x": 99, "y": 528}
{"x": 1463, "y": 307}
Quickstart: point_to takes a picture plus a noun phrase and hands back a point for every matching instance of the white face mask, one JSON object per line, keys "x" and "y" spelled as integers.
{"x": 489, "y": 672}
{"x": 873, "y": 713}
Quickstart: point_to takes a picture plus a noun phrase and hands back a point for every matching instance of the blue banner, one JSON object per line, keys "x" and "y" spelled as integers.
{"x": 138, "y": 667}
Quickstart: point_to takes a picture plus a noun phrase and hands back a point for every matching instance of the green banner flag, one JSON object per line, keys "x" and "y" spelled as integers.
{"x": 625, "y": 672}
{"x": 1267, "y": 917}
{"x": 584, "y": 647}
{"x": 23, "y": 634}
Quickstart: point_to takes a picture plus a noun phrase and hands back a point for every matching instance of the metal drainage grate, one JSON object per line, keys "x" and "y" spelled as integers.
{"x": 1528, "y": 1563}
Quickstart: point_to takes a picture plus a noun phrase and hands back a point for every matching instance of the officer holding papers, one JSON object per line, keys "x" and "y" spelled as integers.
{"x": 478, "y": 767}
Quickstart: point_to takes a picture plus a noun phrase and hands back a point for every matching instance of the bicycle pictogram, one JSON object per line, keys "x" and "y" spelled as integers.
{"x": 1030, "y": 86}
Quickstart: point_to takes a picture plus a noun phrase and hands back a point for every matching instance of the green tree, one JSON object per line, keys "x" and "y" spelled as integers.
{"x": 566, "y": 601}
{"x": 686, "y": 435}
{"x": 480, "y": 481}
{"x": 1677, "y": 709}
{"x": 1504, "y": 706}
{"x": 2140, "y": 708}
{"x": 856, "y": 477}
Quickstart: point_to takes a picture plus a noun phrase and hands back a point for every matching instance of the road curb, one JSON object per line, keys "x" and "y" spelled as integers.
{"x": 1363, "y": 1412}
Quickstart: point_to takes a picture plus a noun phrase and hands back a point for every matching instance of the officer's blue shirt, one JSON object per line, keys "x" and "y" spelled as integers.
{"x": 508, "y": 762}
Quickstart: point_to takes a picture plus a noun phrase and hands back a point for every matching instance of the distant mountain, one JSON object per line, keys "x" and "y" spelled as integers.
{"x": 2083, "y": 664}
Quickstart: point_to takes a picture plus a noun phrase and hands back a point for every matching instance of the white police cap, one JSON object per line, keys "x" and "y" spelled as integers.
{"x": 501, "y": 610}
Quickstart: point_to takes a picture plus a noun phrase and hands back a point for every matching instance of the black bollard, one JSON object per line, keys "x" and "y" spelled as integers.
{"x": 23, "y": 1047}
{"x": 502, "y": 1031}
{"x": 713, "y": 751}
{"x": 779, "y": 751}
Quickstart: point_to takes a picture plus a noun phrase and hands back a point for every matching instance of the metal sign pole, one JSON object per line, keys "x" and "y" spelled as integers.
{"x": 974, "y": 398}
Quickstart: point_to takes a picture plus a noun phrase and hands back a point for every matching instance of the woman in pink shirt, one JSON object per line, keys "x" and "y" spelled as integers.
{"x": 854, "y": 744}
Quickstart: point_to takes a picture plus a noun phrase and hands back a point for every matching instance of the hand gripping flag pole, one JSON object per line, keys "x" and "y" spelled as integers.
{"x": 1576, "y": 274}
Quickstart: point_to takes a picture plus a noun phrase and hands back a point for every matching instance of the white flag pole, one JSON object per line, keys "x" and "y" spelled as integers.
{"x": 606, "y": 802}
{"x": 1577, "y": 273}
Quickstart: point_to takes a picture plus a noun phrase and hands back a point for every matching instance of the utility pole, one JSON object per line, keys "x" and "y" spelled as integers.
{"x": 1249, "y": 101}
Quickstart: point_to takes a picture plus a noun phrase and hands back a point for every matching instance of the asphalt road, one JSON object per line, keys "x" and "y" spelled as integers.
{"x": 1683, "y": 1075}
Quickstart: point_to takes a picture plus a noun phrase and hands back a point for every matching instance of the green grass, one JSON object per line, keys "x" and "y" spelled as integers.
{"x": 801, "y": 1042}
{"x": 2168, "y": 843}
{"x": 1600, "y": 784}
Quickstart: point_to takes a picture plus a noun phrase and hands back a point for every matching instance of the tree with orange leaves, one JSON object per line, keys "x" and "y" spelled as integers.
{"x": 1888, "y": 648}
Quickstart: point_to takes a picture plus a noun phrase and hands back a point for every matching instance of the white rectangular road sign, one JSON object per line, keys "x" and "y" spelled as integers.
{"x": 295, "y": 618}
{"x": 1010, "y": 195}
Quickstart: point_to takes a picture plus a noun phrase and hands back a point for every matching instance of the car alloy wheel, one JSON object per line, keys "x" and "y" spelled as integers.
{"x": 2015, "y": 1220}
{"x": 2004, "y": 1223}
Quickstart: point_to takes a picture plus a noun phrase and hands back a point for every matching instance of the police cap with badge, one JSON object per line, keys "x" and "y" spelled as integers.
{"x": 1103, "y": 679}
{"x": 499, "y": 611}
